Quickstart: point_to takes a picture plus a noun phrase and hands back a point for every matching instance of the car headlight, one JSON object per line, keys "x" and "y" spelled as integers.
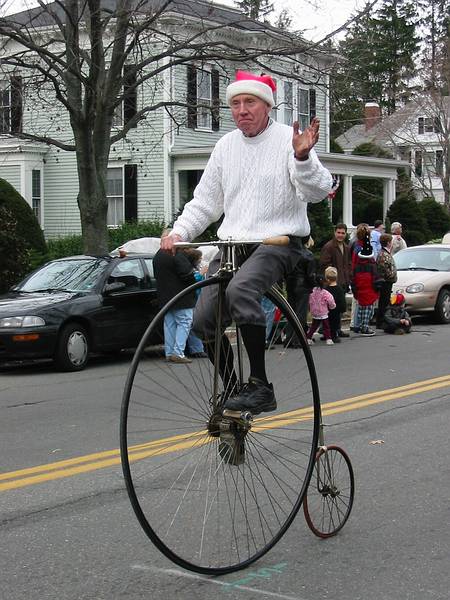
{"x": 415, "y": 288}
{"x": 27, "y": 321}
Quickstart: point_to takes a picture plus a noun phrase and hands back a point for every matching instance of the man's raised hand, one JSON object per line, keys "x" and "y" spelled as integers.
{"x": 307, "y": 139}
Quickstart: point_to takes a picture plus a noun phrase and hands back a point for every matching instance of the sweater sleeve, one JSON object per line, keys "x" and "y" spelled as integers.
{"x": 312, "y": 181}
{"x": 207, "y": 204}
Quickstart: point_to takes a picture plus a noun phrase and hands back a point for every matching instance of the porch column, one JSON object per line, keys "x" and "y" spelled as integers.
{"x": 388, "y": 194}
{"x": 347, "y": 206}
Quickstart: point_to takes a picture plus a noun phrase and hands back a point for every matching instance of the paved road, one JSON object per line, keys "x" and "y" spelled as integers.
{"x": 69, "y": 533}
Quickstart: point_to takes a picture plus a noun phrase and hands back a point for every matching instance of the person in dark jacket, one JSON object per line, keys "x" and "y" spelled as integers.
{"x": 334, "y": 315}
{"x": 336, "y": 253}
{"x": 174, "y": 273}
{"x": 388, "y": 272}
{"x": 299, "y": 284}
{"x": 396, "y": 318}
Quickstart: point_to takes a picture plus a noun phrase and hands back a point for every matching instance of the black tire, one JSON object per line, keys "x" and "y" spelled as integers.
{"x": 328, "y": 502}
{"x": 442, "y": 308}
{"x": 208, "y": 508}
{"x": 72, "y": 348}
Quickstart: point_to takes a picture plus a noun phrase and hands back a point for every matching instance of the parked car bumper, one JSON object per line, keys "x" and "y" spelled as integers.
{"x": 21, "y": 343}
{"x": 419, "y": 302}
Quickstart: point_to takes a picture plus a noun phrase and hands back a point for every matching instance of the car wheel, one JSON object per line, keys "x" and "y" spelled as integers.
{"x": 72, "y": 350}
{"x": 442, "y": 308}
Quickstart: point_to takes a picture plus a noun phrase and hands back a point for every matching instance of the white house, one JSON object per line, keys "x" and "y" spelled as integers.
{"x": 153, "y": 171}
{"x": 417, "y": 133}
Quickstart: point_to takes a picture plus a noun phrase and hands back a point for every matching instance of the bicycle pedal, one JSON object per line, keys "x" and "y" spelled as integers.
{"x": 240, "y": 415}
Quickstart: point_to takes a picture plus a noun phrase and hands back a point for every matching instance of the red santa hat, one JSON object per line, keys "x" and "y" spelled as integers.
{"x": 261, "y": 86}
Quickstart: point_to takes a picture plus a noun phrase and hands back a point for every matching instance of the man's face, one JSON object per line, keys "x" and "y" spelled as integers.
{"x": 249, "y": 113}
{"x": 340, "y": 234}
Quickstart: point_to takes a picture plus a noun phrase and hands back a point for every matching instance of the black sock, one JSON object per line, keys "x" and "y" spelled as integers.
{"x": 226, "y": 362}
{"x": 254, "y": 338}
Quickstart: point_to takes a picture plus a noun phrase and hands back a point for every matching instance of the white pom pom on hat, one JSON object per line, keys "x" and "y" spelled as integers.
{"x": 366, "y": 250}
{"x": 261, "y": 86}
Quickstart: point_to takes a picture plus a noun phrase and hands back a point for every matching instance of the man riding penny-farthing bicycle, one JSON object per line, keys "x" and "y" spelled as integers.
{"x": 260, "y": 177}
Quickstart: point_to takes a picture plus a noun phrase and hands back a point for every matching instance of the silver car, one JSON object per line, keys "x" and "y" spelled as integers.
{"x": 423, "y": 276}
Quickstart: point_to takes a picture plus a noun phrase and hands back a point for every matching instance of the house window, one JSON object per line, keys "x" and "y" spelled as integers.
{"x": 128, "y": 106}
{"x": 429, "y": 160}
{"x": 11, "y": 105}
{"x": 288, "y": 112}
{"x": 428, "y": 125}
{"x": 439, "y": 163}
{"x": 203, "y": 100}
{"x": 36, "y": 193}
{"x": 275, "y": 107}
{"x": 303, "y": 108}
{"x": 418, "y": 163}
{"x": 5, "y": 106}
{"x": 114, "y": 193}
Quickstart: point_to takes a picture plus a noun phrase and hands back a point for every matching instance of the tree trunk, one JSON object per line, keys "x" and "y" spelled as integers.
{"x": 92, "y": 200}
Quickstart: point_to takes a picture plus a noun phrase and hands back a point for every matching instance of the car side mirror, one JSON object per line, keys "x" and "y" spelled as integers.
{"x": 116, "y": 286}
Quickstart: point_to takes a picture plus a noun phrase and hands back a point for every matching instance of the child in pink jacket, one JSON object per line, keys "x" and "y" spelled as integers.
{"x": 320, "y": 302}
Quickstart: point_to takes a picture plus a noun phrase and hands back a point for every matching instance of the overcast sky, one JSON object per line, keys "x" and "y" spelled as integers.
{"x": 316, "y": 17}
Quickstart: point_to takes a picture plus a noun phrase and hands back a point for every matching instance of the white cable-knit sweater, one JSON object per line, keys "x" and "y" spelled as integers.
{"x": 258, "y": 185}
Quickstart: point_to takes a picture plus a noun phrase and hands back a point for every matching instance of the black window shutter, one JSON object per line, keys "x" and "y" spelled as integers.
{"x": 215, "y": 91}
{"x": 312, "y": 104}
{"x": 130, "y": 188}
{"x": 437, "y": 125}
{"x": 421, "y": 124}
{"x": 129, "y": 93}
{"x": 16, "y": 104}
{"x": 191, "y": 98}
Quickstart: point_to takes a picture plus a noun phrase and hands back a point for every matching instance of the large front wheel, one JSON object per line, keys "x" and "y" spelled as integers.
{"x": 215, "y": 493}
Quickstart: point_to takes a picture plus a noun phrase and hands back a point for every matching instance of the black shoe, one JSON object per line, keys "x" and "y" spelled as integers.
{"x": 336, "y": 340}
{"x": 255, "y": 397}
{"x": 198, "y": 355}
{"x": 343, "y": 334}
{"x": 366, "y": 332}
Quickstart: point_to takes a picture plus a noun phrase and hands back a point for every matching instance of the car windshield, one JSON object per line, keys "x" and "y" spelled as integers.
{"x": 74, "y": 275}
{"x": 423, "y": 259}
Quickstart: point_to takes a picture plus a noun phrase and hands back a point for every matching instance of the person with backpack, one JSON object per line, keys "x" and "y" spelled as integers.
{"x": 388, "y": 272}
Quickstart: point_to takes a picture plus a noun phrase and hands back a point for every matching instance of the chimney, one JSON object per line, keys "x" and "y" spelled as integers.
{"x": 372, "y": 114}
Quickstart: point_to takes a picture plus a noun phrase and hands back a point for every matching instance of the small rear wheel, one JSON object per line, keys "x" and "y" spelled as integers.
{"x": 329, "y": 498}
{"x": 72, "y": 349}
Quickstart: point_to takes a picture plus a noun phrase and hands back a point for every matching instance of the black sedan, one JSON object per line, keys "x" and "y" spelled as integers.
{"x": 77, "y": 305}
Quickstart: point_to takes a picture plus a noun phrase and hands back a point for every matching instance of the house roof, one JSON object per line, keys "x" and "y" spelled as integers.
{"x": 199, "y": 9}
{"x": 385, "y": 131}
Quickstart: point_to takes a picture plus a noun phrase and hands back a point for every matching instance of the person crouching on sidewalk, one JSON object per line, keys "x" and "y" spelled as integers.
{"x": 320, "y": 302}
{"x": 396, "y": 318}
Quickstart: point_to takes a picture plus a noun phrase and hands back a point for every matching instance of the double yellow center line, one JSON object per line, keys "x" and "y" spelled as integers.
{"x": 101, "y": 460}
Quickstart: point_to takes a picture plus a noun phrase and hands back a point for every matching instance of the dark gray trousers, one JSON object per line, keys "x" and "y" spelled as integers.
{"x": 264, "y": 267}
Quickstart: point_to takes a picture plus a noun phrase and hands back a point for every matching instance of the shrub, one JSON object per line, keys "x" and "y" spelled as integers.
{"x": 15, "y": 256}
{"x": 27, "y": 226}
{"x": 407, "y": 211}
{"x": 321, "y": 226}
{"x": 436, "y": 216}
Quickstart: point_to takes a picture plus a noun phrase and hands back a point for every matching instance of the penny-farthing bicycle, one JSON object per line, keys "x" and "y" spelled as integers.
{"x": 215, "y": 490}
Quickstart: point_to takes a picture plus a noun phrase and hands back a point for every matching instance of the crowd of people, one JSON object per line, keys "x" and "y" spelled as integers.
{"x": 315, "y": 289}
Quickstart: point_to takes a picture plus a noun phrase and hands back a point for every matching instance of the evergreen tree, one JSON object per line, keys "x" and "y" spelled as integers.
{"x": 407, "y": 211}
{"x": 396, "y": 45}
{"x": 378, "y": 63}
{"x": 435, "y": 19}
{"x": 255, "y": 9}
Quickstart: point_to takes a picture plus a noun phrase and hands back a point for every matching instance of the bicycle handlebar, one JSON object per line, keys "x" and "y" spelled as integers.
{"x": 279, "y": 240}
